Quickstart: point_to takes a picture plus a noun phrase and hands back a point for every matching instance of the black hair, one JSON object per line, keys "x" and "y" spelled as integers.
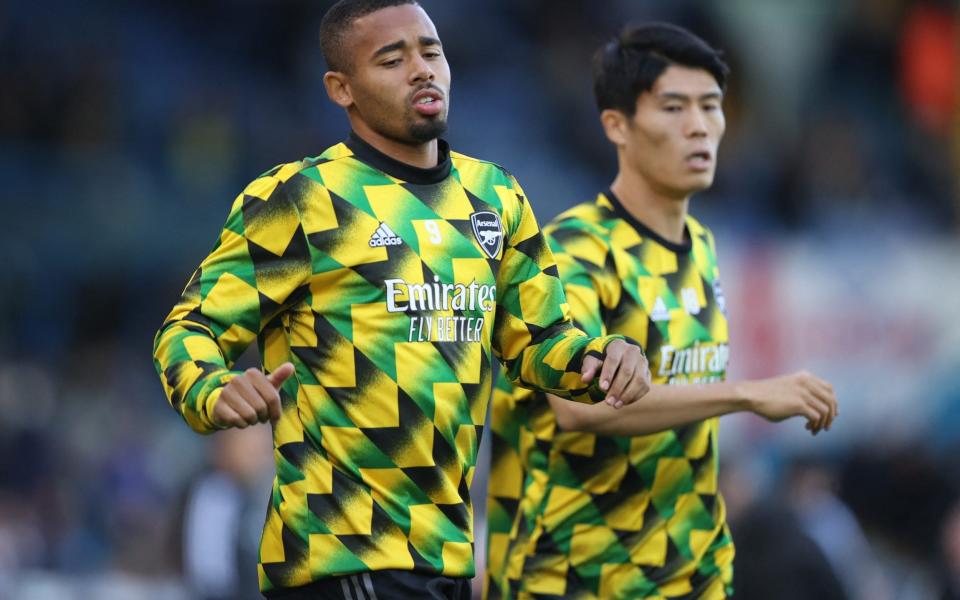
{"x": 336, "y": 22}
{"x": 630, "y": 63}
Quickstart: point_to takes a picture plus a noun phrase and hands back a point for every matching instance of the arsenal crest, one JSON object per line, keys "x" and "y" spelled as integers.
{"x": 486, "y": 226}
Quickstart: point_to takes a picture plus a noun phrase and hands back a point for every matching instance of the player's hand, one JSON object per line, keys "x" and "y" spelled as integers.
{"x": 251, "y": 398}
{"x": 624, "y": 373}
{"x": 800, "y": 394}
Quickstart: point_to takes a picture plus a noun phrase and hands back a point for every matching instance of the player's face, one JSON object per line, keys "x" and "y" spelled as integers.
{"x": 400, "y": 79}
{"x": 673, "y": 137}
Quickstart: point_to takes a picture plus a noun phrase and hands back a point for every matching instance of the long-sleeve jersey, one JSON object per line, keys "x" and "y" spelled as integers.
{"x": 581, "y": 515}
{"x": 388, "y": 287}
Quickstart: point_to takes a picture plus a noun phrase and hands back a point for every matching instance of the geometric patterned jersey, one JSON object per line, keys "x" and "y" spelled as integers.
{"x": 389, "y": 288}
{"x": 579, "y": 515}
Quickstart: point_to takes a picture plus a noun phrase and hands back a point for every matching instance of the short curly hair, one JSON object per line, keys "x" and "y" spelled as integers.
{"x": 336, "y": 22}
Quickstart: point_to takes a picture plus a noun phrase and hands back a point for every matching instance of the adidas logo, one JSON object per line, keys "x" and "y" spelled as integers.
{"x": 659, "y": 312}
{"x": 384, "y": 236}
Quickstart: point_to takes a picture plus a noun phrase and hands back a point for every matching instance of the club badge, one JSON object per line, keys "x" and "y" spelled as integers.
{"x": 486, "y": 226}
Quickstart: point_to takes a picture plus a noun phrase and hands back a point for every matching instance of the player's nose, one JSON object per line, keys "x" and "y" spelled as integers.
{"x": 421, "y": 70}
{"x": 696, "y": 125}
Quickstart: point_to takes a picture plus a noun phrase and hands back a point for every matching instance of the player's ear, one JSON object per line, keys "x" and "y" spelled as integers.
{"x": 338, "y": 88}
{"x": 614, "y": 124}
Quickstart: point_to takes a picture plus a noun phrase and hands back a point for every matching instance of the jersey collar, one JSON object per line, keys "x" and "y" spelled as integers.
{"x": 645, "y": 231}
{"x": 401, "y": 170}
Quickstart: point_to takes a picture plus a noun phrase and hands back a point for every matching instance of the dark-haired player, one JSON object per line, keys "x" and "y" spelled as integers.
{"x": 378, "y": 279}
{"x": 629, "y": 508}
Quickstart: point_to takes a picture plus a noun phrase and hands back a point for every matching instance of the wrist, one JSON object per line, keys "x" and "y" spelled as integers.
{"x": 208, "y": 395}
{"x": 207, "y": 410}
{"x": 634, "y": 342}
{"x": 743, "y": 396}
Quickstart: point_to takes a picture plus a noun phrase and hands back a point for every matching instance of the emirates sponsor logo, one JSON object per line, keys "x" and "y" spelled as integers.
{"x": 421, "y": 299}
{"x": 415, "y": 297}
{"x": 697, "y": 363}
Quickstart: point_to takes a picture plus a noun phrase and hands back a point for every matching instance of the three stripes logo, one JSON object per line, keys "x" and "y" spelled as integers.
{"x": 384, "y": 236}
{"x": 358, "y": 587}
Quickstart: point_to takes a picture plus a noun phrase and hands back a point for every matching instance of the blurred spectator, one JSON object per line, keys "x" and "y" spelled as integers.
{"x": 775, "y": 557}
{"x": 950, "y": 545}
{"x": 811, "y": 496}
{"x": 930, "y": 86}
{"x": 902, "y": 497}
{"x": 223, "y": 516}
{"x": 930, "y": 64}
{"x": 929, "y": 53}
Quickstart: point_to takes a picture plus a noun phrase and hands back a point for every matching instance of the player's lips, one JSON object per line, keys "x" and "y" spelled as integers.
{"x": 428, "y": 102}
{"x": 701, "y": 160}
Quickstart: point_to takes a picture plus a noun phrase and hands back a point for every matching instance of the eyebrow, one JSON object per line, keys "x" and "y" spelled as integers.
{"x": 397, "y": 45}
{"x": 401, "y": 44}
{"x": 685, "y": 97}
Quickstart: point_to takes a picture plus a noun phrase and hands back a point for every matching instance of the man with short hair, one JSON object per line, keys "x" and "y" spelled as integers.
{"x": 378, "y": 279}
{"x": 588, "y": 503}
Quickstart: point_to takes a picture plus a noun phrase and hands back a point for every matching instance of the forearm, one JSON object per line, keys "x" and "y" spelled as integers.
{"x": 534, "y": 334}
{"x": 258, "y": 262}
{"x": 553, "y": 364}
{"x": 663, "y": 407}
{"x": 193, "y": 370}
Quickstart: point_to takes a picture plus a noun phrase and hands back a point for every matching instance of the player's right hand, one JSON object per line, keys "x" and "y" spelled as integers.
{"x": 624, "y": 373}
{"x": 801, "y": 394}
{"x": 251, "y": 398}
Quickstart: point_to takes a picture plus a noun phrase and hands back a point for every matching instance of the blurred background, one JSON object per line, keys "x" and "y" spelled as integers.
{"x": 126, "y": 130}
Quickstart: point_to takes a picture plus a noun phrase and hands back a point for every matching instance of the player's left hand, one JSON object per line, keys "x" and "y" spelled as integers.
{"x": 624, "y": 373}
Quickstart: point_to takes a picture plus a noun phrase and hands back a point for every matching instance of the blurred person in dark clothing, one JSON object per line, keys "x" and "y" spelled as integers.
{"x": 221, "y": 521}
{"x": 811, "y": 495}
{"x": 950, "y": 552}
{"x": 929, "y": 73}
{"x": 776, "y": 559}
{"x": 901, "y": 495}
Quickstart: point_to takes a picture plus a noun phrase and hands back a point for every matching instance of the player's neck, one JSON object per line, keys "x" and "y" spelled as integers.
{"x": 666, "y": 215}
{"x": 423, "y": 156}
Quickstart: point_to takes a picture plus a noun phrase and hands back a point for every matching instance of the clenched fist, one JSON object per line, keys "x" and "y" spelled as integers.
{"x": 251, "y": 398}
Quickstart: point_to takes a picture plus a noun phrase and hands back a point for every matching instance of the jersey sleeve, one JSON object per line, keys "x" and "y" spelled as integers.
{"x": 581, "y": 287}
{"x": 255, "y": 269}
{"x": 534, "y": 335}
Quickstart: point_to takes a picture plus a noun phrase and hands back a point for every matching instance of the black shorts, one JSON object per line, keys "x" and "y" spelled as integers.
{"x": 381, "y": 585}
